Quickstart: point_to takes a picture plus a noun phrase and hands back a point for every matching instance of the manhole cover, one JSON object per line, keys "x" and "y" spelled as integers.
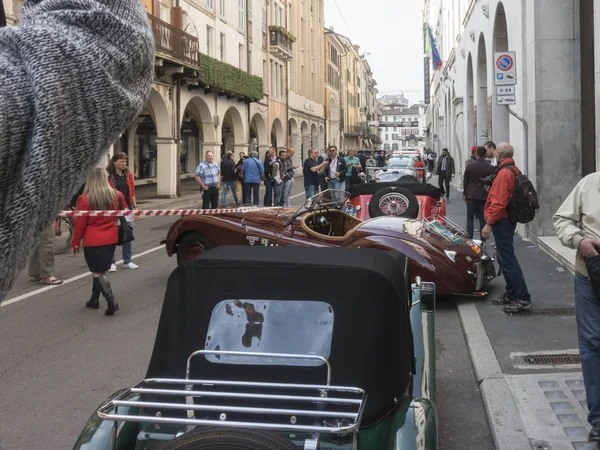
{"x": 546, "y": 312}
{"x": 556, "y": 359}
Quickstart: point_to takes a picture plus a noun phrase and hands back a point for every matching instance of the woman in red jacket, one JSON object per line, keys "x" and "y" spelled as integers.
{"x": 100, "y": 235}
{"x": 121, "y": 179}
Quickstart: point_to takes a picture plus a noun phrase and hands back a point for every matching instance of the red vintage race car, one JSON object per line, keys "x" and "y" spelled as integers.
{"x": 438, "y": 249}
{"x": 406, "y": 197}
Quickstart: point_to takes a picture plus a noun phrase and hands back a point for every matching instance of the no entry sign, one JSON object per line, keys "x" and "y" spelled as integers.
{"x": 505, "y": 69}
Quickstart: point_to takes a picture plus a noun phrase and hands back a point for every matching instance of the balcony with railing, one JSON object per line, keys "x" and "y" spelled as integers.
{"x": 173, "y": 44}
{"x": 280, "y": 41}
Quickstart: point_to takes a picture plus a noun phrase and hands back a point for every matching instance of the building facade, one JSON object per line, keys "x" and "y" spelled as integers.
{"x": 334, "y": 52}
{"x": 552, "y": 123}
{"x": 401, "y": 127}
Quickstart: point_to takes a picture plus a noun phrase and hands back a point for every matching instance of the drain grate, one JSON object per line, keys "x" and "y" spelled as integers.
{"x": 546, "y": 312}
{"x": 556, "y": 359}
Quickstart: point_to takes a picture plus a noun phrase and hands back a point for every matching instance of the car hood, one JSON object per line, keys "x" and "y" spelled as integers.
{"x": 414, "y": 230}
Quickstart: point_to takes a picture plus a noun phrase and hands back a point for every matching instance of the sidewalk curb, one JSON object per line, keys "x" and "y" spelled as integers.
{"x": 504, "y": 417}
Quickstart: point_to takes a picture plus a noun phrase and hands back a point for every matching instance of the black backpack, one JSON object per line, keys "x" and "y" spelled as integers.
{"x": 524, "y": 202}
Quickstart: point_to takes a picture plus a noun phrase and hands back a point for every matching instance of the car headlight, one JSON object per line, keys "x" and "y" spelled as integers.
{"x": 451, "y": 255}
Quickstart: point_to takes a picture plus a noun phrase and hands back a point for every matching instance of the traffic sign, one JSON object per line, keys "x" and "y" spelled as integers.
{"x": 505, "y": 69}
{"x": 505, "y": 90}
{"x": 506, "y": 100}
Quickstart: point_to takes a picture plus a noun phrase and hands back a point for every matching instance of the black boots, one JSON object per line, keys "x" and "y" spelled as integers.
{"x": 104, "y": 287}
{"x": 93, "y": 301}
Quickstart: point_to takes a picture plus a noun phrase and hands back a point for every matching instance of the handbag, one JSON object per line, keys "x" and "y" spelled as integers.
{"x": 125, "y": 230}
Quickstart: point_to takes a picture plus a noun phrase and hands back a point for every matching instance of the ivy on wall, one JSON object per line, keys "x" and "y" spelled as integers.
{"x": 225, "y": 78}
{"x": 283, "y": 31}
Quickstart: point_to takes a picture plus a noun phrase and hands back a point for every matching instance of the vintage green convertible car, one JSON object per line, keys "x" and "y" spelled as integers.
{"x": 283, "y": 348}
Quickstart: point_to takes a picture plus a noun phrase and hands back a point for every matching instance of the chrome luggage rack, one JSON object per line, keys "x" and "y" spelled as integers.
{"x": 452, "y": 229}
{"x": 316, "y": 408}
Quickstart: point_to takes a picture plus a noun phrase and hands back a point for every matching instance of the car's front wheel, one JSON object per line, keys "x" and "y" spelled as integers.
{"x": 229, "y": 439}
{"x": 191, "y": 246}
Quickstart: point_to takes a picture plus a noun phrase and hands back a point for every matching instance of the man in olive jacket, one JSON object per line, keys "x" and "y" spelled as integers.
{"x": 474, "y": 191}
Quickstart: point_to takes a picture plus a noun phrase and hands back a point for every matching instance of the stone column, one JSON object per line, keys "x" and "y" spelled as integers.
{"x": 554, "y": 105}
{"x": 166, "y": 167}
{"x": 597, "y": 78}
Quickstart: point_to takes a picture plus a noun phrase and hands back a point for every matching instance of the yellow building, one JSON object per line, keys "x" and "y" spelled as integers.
{"x": 306, "y": 115}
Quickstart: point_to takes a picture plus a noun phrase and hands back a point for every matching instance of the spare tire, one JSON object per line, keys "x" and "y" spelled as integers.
{"x": 218, "y": 438}
{"x": 394, "y": 201}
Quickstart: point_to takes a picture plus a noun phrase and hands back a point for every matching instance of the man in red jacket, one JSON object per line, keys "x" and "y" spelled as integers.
{"x": 516, "y": 296}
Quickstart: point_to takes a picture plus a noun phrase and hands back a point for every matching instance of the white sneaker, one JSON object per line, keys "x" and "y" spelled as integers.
{"x": 131, "y": 266}
{"x": 113, "y": 268}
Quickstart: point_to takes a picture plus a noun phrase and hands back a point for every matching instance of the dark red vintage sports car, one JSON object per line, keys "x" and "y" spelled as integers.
{"x": 406, "y": 197}
{"x": 440, "y": 250}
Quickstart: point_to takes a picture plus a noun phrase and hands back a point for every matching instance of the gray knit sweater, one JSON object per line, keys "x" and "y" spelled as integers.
{"x": 73, "y": 75}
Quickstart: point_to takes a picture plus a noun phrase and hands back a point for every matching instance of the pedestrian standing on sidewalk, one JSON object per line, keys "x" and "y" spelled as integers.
{"x": 473, "y": 156}
{"x": 311, "y": 170}
{"x": 207, "y": 176}
{"x": 278, "y": 179}
{"x": 335, "y": 174}
{"x": 352, "y": 164}
{"x": 474, "y": 192}
{"x": 270, "y": 158}
{"x": 41, "y": 262}
{"x": 228, "y": 177}
{"x": 445, "y": 172}
{"x": 121, "y": 179}
{"x": 516, "y": 295}
{"x": 491, "y": 148}
{"x": 254, "y": 172}
{"x": 577, "y": 225}
{"x": 240, "y": 178}
{"x": 100, "y": 235}
{"x": 289, "y": 179}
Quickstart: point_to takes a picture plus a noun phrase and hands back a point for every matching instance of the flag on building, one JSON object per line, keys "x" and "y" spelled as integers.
{"x": 431, "y": 50}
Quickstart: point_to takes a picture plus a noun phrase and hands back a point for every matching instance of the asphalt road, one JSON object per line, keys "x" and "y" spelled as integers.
{"x": 60, "y": 360}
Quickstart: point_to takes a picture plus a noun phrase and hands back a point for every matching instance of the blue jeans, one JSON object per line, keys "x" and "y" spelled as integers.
{"x": 127, "y": 253}
{"x": 348, "y": 182}
{"x": 337, "y": 185}
{"x": 251, "y": 188}
{"x": 278, "y": 194}
{"x": 475, "y": 210}
{"x": 310, "y": 191}
{"x": 229, "y": 185}
{"x": 268, "y": 193}
{"x": 587, "y": 311}
{"x": 504, "y": 234}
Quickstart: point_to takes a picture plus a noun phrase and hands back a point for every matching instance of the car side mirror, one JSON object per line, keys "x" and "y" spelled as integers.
{"x": 384, "y": 169}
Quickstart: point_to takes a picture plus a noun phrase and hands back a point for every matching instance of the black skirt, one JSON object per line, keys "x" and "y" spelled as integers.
{"x": 99, "y": 258}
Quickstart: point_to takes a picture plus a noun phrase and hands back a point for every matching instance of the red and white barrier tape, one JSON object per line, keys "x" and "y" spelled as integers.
{"x": 163, "y": 212}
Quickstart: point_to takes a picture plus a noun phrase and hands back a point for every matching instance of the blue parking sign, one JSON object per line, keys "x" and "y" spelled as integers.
{"x": 500, "y": 76}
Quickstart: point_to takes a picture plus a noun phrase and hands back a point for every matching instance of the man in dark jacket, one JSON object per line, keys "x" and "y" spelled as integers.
{"x": 228, "y": 177}
{"x": 445, "y": 171}
{"x": 474, "y": 192}
{"x": 516, "y": 295}
{"x": 335, "y": 173}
